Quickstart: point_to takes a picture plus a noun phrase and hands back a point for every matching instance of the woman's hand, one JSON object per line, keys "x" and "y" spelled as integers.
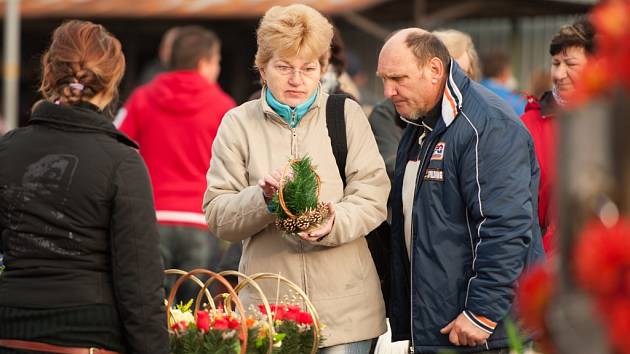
{"x": 270, "y": 183}
{"x": 317, "y": 235}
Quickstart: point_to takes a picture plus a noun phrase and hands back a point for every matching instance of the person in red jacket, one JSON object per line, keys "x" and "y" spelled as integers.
{"x": 174, "y": 118}
{"x": 570, "y": 50}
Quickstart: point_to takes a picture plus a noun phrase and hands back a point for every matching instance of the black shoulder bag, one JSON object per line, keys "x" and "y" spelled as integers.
{"x": 378, "y": 239}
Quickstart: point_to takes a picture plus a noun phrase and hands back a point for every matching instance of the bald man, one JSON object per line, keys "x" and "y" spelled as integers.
{"x": 464, "y": 202}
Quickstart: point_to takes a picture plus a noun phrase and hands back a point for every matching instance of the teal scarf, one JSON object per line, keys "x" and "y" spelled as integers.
{"x": 291, "y": 115}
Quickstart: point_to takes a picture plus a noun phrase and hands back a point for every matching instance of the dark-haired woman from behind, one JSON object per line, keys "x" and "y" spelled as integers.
{"x": 77, "y": 224}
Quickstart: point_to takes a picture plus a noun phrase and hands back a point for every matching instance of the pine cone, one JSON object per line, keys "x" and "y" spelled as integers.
{"x": 292, "y": 225}
{"x": 302, "y": 222}
{"x": 286, "y": 224}
{"x": 314, "y": 217}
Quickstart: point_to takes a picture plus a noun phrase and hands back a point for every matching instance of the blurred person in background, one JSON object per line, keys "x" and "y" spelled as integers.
{"x": 175, "y": 119}
{"x": 539, "y": 82}
{"x": 336, "y": 79}
{"x": 161, "y": 63}
{"x": 461, "y": 48}
{"x": 332, "y": 264}
{"x": 570, "y": 50}
{"x": 498, "y": 78}
{"x": 3, "y": 128}
{"x": 77, "y": 223}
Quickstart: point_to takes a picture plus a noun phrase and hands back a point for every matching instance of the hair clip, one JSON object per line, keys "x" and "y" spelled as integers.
{"x": 76, "y": 86}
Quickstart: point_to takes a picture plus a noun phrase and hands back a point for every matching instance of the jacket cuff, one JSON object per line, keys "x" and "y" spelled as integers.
{"x": 481, "y": 322}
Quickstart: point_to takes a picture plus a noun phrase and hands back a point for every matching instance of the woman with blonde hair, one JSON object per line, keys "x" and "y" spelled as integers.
{"x": 332, "y": 264}
{"x": 460, "y": 46}
{"x": 77, "y": 224}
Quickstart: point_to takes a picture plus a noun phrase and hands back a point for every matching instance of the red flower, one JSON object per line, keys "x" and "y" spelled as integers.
{"x": 596, "y": 78}
{"x": 179, "y": 326}
{"x": 291, "y": 313}
{"x": 608, "y": 67}
{"x": 262, "y": 309}
{"x": 534, "y": 296}
{"x": 619, "y": 324}
{"x": 535, "y": 292}
{"x": 220, "y": 323}
{"x": 602, "y": 259}
{"x": 305, "y": 318}
{"x": 276, "y": 311}
{"x": 602, "y": 264}
{"x": 233, "y": 323}
{"x": 610, "y": 21}
{"x": 279, "y": 311}
{"x": 203, "y": 321}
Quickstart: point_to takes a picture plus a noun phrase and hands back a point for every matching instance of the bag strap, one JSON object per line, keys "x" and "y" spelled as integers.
{"x": 336, "y": 124}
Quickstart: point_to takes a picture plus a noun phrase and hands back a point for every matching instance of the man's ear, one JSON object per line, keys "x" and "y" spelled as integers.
{"x": 437, "y": 68}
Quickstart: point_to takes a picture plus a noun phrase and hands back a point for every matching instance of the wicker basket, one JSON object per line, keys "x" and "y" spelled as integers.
{"x": 307, "y": 221}
{"x": 252, "y": 281}
{"x": 242, "y": 331}
{"x": 231, "y": 302}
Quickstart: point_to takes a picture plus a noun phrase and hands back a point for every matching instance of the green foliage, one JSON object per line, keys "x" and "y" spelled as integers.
{"x": 184, "y": 307}
{"x": 296, "y": 340}
{"x": 514, "y": 337}
{"x": 300, "y": 193}
{"x": 212, "y": 342}
{"x": 256, "y": 344}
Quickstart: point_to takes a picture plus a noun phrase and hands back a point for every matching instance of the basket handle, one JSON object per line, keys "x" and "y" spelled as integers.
{"x": 249, "y": 281}
{"x": 243, "y": 332}
{"x": 309, "y": 305}
{"x": 198, "y": 281}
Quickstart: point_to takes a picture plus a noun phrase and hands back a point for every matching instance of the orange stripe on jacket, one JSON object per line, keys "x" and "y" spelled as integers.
{"x": 450, "y": 100}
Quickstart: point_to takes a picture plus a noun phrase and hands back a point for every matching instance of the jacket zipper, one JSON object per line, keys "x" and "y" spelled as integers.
{"x": 293, "y": 118}
{"x": 294, "y": 153}
{"x": 412, "y": 347}
{"x": 304, "y": 278}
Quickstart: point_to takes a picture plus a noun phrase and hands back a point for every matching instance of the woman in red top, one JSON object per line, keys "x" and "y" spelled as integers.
{"x": 570, "y": 50}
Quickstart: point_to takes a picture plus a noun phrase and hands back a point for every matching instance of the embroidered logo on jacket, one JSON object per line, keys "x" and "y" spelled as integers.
{"x": 438, "y": 152}
{"x": 434, "y": 174}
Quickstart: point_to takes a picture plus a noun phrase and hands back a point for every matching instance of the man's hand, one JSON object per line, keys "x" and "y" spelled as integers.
{"x": 463, "y": 332}
{"x": 316, "y": 235}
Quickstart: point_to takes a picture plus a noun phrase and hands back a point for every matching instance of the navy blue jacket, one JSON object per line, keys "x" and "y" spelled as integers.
{"x": 474, "y": 221}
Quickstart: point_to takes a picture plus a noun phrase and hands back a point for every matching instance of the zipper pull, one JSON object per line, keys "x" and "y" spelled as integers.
{"x": 293, "y": 118}
{"x": 422, "y": 136}
{"x": 411, "y": 349}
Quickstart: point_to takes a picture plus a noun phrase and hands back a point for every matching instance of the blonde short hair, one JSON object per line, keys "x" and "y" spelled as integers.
{"x": 294, "y": 30}
{"x": 459, "y": 43}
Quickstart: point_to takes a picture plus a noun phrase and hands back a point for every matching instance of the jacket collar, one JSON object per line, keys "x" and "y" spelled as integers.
{"x": 81, "y": 118}
{"x": 269, "y": 112}
{"x": 291, "y": 115}
{"x": 452, "y": 97}
{"x": 548, "y": 105}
